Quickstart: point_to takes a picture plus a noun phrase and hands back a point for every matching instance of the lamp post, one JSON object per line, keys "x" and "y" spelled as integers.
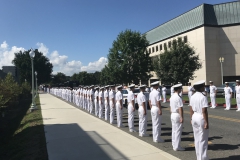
{"x": 36, "y": 83}
{"x": 221, "y": 59}
{"x": 32, "y": 54}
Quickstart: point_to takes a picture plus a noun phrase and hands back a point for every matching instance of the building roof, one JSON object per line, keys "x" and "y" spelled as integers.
{"x": 203, "y": 15}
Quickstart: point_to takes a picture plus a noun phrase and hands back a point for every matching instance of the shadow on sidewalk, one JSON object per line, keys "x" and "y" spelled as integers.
{"x": 69, "y": 141}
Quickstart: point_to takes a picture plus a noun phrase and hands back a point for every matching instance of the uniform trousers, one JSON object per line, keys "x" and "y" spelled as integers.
{"x": 96, "y": 107}
{"x": 176, "y": 130}
{"x": 100, "y": 109}
{"x": 111, "y": 112}
{"x": 189, "y": 97}
{"x": 142, "y": 121}
{"x": 200, "y": 136}
{"x": 85, "y": 103}
{"x": 91, "y": 106}
{"x": 156, "y": 123}
{"x": 228, "y": 101}
{"x": 81, "y": 101}
{"x": 119, "y": 114}
{"x": 164, "y": 96}
{"x": 213, "y": 100}
{"x": 130, "y": 117}
{"x": 238, "y": 100}
{"x": 88, "y": 106}
{"x": 106, "y": 110}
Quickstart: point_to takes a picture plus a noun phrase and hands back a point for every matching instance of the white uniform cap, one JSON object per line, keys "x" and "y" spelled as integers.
{"x": 237, "y": 81}
{"x": 199, "y": 82}
{"x": 189, "y": 82}
{"x": 154, "y": 83}
{"x": 106, "y": 86}
{"x": 210, "y": 81}
{"x": 226, "y": 82}
{"x": 142, "y": 86}
{"x": 119, "y": 86}
{"x": 96, "y": 87}
{"x": 177, "y": 85}
{"x": 132, "y": 85}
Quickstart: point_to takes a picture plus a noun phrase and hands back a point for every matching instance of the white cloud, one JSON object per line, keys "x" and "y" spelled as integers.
{"x": 60, "y": 62}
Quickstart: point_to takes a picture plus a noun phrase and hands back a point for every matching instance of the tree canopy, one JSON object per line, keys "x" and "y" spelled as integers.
{"x": 42, "y": 66}
{"x": 128, "y": 59}
{"x": 177, "y": 64}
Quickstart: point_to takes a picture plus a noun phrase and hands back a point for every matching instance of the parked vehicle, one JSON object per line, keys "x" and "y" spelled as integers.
{"x": 220, "y": 89}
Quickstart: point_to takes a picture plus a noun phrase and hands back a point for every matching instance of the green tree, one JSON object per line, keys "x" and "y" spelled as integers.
{"x": 59, "y": 78}
{"x": 105, "y": 76}
{"x": 177, "y": 64}
{"x": 128, "y": 59}
{"x": 41, "y": 63}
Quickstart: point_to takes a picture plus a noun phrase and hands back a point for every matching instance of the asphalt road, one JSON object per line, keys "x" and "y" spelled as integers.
{"x": 224, "y": 134}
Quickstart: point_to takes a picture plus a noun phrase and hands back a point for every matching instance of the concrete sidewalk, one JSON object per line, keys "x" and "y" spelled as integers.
{"x": 73, "y": 134}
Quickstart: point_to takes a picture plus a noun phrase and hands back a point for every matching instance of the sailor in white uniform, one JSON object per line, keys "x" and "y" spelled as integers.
{"x": 112, "y": 103}
{"x": 100, "y": 97}
{"x": 213, "y": 93}
{"x": 228, "y": 96}
{"x": 106, "y": 102}
{"x": 164, "y": 91}
{"x": 200, "y": 124}
{"x": 237, "y": 90}
{"x": 96, "y": 101}
{"x": 156, "y": 112}
{"x": 119, "y": 105}
{"x": 142, "y": 112}
{"x": 91, "y": 99}
{"x": 190, "y": 91}
{"x": 131, "y": 108}
{"x": 176, "y": 117}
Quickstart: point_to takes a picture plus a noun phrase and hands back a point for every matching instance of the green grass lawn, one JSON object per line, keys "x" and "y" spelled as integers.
{"x": 219, "y": 100}
{"x": 27, "y": 141}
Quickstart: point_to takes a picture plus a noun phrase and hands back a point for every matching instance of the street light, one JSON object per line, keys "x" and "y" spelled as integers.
{"x": 36, "y": 83}
{"x": 32, "y": 54}
{"x": 221, "y": 59}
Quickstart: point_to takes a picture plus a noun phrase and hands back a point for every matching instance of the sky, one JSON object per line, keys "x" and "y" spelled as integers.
{"x": 76, "y": 35}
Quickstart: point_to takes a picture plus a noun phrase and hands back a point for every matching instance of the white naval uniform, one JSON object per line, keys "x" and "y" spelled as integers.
{"x": 111, "y": 104}
{"x": 96, "y": 94}
{"x": 88, "y": 100}
{"x": 176, "y": 104}
{"x": 228, "y": 91}
{"x": 172, "y": 91}
{"x": 155, "y": 97}
{"x": 91, "y": 101}
{"x": 198, "y": 102}
{"x": 190, "y": 92}
{"x": 141, "y": 98}
{"x": 131, "y": 112}
{"x": 164, "y": 91}
{"x": 100, "y": 104}
{"x": 213, "y": 89}
{"x": 237, "y": 89}
{"x": 106, "y": 104}
{"x": 118, "y": 98}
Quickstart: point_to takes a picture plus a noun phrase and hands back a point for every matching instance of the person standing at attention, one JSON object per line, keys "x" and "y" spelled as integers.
{"x": 119, "y": 106}
{"x": 237, "y": 89}
{"x": 228, "y": 96}
{"x": 190, "y": 91}
{"x": 200, "y": 124}
{"x": 164, "y": 91}
{"x": 112, "y": 103}
{"x": 131, "y": 108}
{"x": 96, "y": 94}
{"x": 213, "y": 93}
{"x": 176, "y": 117}
{"x": 106, "y": 102}
{"x": 156, "y": 112}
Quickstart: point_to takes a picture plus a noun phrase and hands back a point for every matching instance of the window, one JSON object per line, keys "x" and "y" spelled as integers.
{"x": 169, "y": 44}
{"x": 156, "y": 48}
{"x": 179, "y": 39}
{"x": 165, "y": 46}
{"x": 160, "y": 47}
{"x": 149, "y": 50}
{"x": 152, "y": 49}
{"x": 185, "y": 39}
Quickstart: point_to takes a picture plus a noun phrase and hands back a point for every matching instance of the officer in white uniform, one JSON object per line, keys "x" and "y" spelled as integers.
{"x": 199, "y": 115}
{"x": 106, "y": 103}
{"x": 119, "y": 105}
{"x": 100, "y": 97}
{"x": 176, "y": 117}
{"x": 96, "y": 102}
{"x": 237, "y": 90}
{"x": 164, "y": 91}
{"x": 156, "y": 112}
{"x": 91, "y": 99}
{"x": 112, "y": 103}
{"x": 213, "y": 93}
{"x": 228, "y": 96}
{"x": 131, "y": 108}
{"x": 172, "y": 90}
{"x": 190, "y": 91}
{"x": 180, "y": 94}
{"x": 142, "y": 112}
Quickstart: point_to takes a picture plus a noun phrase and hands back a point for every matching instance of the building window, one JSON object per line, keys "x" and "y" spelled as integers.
{"x": 152, "y": 49}
{"x": 179, "y": 39}
{"x": 185, "y": 39}
{"x": 156, "y": 48}
{"x": 160, "y": 47}
{"x": 165, "y": 46}
{"x": 169, "y": 44}
{"x": 149, "y": 50}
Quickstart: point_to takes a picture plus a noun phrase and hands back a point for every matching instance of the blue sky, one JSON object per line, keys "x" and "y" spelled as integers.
{"x": 76, "y": 34}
